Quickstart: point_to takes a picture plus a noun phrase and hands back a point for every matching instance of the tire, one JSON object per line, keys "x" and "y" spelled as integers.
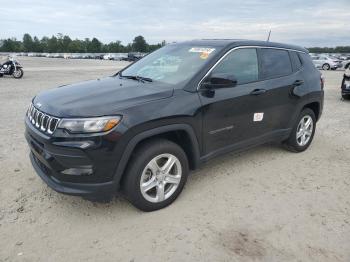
{"x": 18, "y": 73}
{"x": 142, "y": 170}
{"x": 346, "y": 97}
{"x": 295, "y": 144}
{"x": 347, "y": 66}
{"x": 326, "y": 67}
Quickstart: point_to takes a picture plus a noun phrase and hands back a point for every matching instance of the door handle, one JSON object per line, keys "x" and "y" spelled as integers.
{"x": 298, "y": 82}
{"x": 256, "y": 92}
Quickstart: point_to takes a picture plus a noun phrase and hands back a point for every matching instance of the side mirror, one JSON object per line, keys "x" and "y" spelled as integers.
{"x": 219, "y": 80}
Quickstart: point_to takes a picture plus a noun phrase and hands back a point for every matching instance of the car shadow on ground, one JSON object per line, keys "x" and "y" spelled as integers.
{"x": 203, "y": 175}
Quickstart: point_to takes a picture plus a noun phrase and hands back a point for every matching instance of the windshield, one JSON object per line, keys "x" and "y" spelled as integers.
{"x": 171, "y": 64}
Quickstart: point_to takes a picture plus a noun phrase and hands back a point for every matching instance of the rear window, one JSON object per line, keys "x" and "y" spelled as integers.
{"x": 295, "y": 60}
{"x": 274, "y": 63}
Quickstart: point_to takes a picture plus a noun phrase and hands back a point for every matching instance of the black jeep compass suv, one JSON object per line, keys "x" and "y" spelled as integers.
{"x": 144, "y": 128}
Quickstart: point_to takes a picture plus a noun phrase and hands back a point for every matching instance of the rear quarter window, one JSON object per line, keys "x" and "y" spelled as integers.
{"x": 306, "y": 59}
{"x": 274, "y": 63}
{"x": 296, "y": 63}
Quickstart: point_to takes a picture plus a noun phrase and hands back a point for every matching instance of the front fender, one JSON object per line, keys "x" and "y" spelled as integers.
{"x": 153, "y": 132}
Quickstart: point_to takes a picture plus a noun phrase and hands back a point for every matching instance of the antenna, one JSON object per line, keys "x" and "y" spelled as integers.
{"x": 268, "y": 38}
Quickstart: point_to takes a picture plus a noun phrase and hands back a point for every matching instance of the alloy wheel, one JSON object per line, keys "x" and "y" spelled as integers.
{"x": 160, "y": 178}
{"x": 304, "y": 130}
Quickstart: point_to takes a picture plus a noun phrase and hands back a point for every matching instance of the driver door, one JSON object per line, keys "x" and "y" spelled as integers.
{"x": 232, "y": 115}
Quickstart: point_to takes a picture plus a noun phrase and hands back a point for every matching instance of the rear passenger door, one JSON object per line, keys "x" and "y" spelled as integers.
{"x": 278, "y": 78}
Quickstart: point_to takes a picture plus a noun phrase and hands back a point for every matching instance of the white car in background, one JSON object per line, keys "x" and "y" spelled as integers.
{"x": 107, "y": 56}
{"x": 325, "y": 62}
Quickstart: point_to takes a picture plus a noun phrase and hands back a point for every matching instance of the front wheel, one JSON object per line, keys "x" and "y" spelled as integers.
{"x": 156, "y": 175}
{"x": 303, "y": 131}
{"x": 18, "y": 73}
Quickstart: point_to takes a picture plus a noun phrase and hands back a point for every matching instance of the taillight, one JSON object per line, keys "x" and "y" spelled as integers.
{"x": 322, "y": 82}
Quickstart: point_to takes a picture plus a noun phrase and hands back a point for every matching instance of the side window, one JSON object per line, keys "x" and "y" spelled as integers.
{"x": 295, "y": 60}
{"x": 241, "y": 63}
{"x": 274, "y": 63}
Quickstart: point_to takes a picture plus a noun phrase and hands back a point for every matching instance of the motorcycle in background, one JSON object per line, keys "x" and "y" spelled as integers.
{"x": 11, "y": 67}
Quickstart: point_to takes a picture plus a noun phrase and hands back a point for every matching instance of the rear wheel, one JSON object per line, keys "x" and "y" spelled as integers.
{"x": 303, "y": 131}
{"x": 18, "y": 73}
{"x": 326, "y": 67}
{"x": 156, "y": 175}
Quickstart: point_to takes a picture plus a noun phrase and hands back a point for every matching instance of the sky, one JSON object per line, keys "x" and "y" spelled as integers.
{"x": 303, "y": 22}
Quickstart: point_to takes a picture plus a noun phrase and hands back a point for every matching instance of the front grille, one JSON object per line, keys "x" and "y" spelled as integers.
{"x": 43, "y": 122}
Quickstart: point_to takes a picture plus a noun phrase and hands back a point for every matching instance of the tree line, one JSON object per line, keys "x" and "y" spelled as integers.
{"x": 64, "y": 44}
{"x": 338, "y": 49}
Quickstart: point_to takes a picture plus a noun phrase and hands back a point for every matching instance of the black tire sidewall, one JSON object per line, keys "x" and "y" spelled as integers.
{"x": 292, "y": 141}
{"x": 131, "y": 183}
{"x": 22, "y": 73}
{"x": 326, "y": 67}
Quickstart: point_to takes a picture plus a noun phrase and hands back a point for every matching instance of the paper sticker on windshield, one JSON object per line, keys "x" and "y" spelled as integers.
{"x": 204, "y": 55}
{"x": 201, "y": 50}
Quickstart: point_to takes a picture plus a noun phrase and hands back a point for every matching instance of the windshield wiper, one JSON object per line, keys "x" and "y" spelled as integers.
{"x": 138, "y": 78}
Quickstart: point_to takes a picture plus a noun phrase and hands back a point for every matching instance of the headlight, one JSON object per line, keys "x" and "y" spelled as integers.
{"x": 89, "y": 125}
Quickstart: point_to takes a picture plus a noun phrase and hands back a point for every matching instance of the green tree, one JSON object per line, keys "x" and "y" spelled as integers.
{"x": 63, "y": 43}
{"x": 37, "y": 46}
{"x": 11, "y": 45}
{"x": 52, "y": 45}
{"x": 115, "y": 47}
{"x": 139, "y": 44}
{"x": 75, "y": 47}
{"x": 94, "y": 46}
{"x": 28, "y": 44}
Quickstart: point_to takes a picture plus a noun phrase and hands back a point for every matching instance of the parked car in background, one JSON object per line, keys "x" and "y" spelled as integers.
{"x": 107, "y": 56}
{"x": 119, "y": 56}
{"x": 345, "y": 85}
{"x": 133, "y": 56}
{"x": 326, "y": 62}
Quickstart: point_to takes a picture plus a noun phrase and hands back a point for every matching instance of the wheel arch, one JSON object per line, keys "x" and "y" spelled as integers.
{"x": 315, "y": 107}
{"x": 173, "y": 132}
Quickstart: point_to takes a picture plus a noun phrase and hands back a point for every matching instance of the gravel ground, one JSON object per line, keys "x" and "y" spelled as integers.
{"x": 265, "y": 204}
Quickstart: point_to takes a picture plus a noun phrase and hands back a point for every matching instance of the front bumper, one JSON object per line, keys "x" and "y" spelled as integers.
{"x": 345, "y": 89}
{"x": 92, "y": 191}
{"x": 83, "y": 166}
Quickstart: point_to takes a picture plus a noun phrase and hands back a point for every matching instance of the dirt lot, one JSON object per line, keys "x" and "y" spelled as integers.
{"x": 265, "y": 204}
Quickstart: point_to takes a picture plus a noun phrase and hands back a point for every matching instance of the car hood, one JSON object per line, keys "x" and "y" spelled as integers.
{"x": 99, "y": 97}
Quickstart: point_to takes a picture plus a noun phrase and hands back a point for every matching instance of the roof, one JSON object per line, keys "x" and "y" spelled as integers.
{"x": 243, "y": 42}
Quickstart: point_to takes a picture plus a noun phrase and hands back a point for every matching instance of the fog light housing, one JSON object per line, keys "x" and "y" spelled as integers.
{"x": 78, "y": 171}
